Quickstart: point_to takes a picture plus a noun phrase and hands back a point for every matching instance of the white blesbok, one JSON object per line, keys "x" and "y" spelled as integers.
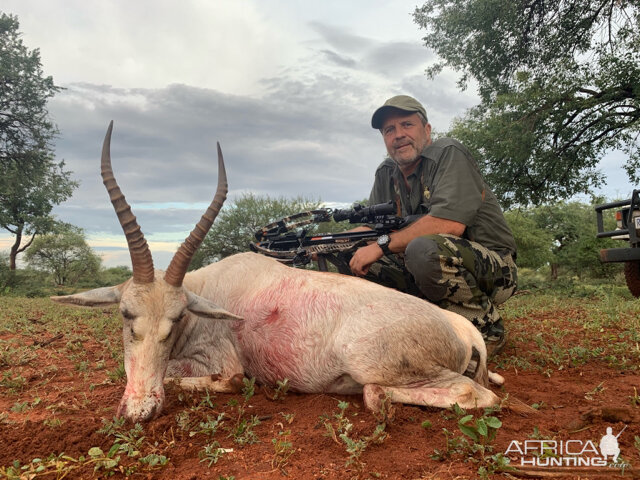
{"x": 249, "y": 314}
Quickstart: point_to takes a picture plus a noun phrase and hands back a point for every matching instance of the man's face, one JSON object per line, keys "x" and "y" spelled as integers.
{"x": 405, "y": 136}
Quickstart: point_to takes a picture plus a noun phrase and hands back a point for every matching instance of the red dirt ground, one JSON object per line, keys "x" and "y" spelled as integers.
{"x": 576, "y": 404}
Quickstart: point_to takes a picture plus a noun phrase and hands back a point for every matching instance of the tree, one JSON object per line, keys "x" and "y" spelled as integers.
{"x": 65, "y": 254}
{"x": 31, "y": 181}
{"x": 534, "y": 244}
{"x": 113, "y": 276}
{"x": 237, "y": 223}
{"x": 4, "y": 272}
{"x": 563, "y": 235}
{"x": 559, "y": 82}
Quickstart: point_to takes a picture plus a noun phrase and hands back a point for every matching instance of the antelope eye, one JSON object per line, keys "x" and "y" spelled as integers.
{"x": 127, "y": 314}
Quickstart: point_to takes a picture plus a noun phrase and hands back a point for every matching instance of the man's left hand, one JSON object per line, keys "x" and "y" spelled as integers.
{"x": 364, "y": 257}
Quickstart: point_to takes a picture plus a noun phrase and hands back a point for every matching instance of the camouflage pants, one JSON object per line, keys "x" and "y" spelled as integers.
{"x": 454, "y": 273}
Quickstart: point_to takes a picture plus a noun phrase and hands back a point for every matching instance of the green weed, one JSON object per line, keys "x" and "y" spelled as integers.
{"x": 11, "y": 356}
{"x": 283, "y": 449}
{"x": 282, "y": 387}
{"x": 242, "y": 428}
{"x": 248, "y": 390}
{"x": 118, "y": 373}
{"x": 210, "y": 427}
{"x": 20, "y": 407}
{"x": 110, "y": 427}
{"x": 243, "y": 433}
{"x": 597, "y": 390}
{"x": 52, "y": 422}
{"x": 340, "y": 428}
{"x": 13, "y": 384}
{"x": 475, "y": 444}
{"x": 212, "y": 452}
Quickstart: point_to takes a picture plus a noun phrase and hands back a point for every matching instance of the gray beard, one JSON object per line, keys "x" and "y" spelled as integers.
{"x": 406, "y": 162}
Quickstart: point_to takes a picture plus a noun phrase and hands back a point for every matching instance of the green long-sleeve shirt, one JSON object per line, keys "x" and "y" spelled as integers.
{"x": 447, "y": 184}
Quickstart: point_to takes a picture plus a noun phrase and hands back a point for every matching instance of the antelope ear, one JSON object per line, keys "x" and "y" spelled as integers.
{"x": 206, "y": 308}
{"x": 98, "y": 297}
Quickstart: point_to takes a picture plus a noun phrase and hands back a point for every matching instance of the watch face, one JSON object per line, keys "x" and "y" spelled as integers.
{"x": 383, "y": 240}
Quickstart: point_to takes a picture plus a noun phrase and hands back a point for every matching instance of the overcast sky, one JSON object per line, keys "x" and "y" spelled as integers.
{"x": 287, "y": 87}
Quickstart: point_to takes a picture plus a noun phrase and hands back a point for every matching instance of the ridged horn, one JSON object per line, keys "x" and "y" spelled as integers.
{"x": 141, "y": 260}
{"x": 180, "y": 261}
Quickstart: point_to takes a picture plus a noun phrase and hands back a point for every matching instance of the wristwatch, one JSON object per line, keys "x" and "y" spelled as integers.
{"x": 383, "y": 242}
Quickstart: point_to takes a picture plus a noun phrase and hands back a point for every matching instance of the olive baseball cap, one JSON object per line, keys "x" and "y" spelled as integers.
{"x": 399, "y": 102}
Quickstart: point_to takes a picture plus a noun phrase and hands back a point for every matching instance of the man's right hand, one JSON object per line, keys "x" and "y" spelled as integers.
{"x": 364, "y": 258}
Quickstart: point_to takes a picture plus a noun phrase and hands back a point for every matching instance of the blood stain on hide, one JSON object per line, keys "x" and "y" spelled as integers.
{"x": 273, "y": 316}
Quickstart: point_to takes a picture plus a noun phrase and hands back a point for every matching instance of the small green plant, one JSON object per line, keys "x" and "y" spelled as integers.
{"x": 210, "y": 427}
{"x": 207, "y": 400}
{"x": 184, "y": 421}
{"x": 598, "y": 389}
{"x": 117, "y": 373}
{"x": 342, "y": 423}
{"x": 154, "y": 460}
{"x": 16, "y": 357}
{"x": 282, "y": 387}
{"x": 52, "y": 422}
{"x": 12, "y": 384}
{"x": 20, "y": 407}
{"x": 60, "y": 465}
{"x": 478, "y": 434}
{"x": 111, "y": 427}
{"x": 539, "y": 405}
{"x": 288, "y": 417}
{"x": 82, "y": 366}
{"x": 242, "y": 430}
{"x": 426, "y": 424}
{"x": 635, "y": 398}
{"x": 248, "y": 390}
{"x": 212, "y": 452}
{"x": 536, "y": 435}
{"x": 103, "y": 462}
{"x": 340, "y": 429}
{"x": 283, "y": 449}
{"x": 243, "y": 433}
{"x": 495, "y": 463}
{"x": 482, "y": 430}
{"x": 128, "y": 442}
{"x": 454, "y": 445}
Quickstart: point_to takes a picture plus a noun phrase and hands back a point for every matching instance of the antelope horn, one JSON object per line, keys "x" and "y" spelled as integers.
{"x": 180, "y": 261}
{"x": 141, "y": 260}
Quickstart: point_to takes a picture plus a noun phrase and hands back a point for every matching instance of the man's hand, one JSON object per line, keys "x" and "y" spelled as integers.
{"x": 364, "y": 257}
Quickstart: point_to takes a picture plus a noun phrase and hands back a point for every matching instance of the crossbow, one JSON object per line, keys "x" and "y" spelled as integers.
{"x": 292, "y": 241}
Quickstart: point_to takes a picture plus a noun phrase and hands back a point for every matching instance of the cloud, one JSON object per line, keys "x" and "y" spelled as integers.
{"x": 151, "y": 44}
{"x": 340, "y": 38}
{"x": 340, "y": 60}
{"x": 397, "y": 59}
